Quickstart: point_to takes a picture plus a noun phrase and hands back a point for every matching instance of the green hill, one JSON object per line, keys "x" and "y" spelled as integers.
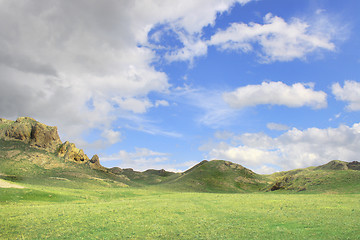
{"x": 218, "y": 176}
{"x": 335, "y": 177}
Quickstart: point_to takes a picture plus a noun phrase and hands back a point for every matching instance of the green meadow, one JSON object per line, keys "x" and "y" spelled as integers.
{"x": 44, "y": 212}
{"x": 212, "y": 200}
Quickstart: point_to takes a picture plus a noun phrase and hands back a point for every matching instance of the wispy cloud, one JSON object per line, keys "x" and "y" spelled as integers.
{"x": 213, "y": 111}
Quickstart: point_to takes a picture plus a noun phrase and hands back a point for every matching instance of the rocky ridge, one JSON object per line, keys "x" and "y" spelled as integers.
{"x": 41, "y": 136}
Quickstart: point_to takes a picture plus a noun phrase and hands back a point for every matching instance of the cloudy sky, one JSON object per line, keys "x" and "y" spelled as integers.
{"x": 269, "y": 84}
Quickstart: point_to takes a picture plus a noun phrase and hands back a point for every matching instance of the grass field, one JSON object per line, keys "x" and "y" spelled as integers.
{"x": 43, "y": 212}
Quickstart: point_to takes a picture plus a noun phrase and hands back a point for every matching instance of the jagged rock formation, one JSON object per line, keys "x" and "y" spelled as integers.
{"x": 70, "y": 152}
{"x": 30, "y": 131}
{"x": 44, "y": 137}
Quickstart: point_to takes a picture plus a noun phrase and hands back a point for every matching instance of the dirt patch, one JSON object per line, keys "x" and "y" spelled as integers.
{"x": 6, "y": 184}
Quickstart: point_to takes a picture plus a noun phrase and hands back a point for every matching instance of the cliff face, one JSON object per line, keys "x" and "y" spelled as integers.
{"x": 32, "y": 132}
{"x": 44, "y": 137}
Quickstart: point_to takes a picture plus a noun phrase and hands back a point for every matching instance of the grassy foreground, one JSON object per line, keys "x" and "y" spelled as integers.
{"x": 40, "y": 212}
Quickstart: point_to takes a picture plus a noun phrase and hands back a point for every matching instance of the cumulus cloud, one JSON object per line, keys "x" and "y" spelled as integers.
{"x": 275, "y": 40}
{"x": 81, "y": 64}
{"x": 279, "y": 40}
{"x": 276, "y": 93}
{"x": 293, "y": 149}
{"x": 350, "y": 93}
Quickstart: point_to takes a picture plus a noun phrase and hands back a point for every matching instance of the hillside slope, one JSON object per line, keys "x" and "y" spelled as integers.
{"x": 218, "y": 176}
{"x": 31, "y": 152}
{"x": 335, "y": 176}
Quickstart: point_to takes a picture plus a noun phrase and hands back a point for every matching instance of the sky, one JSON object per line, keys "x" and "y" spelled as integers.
{"x": 272, "y": 85}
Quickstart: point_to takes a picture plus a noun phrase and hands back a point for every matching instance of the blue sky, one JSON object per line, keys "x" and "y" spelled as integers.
{"x": 269, "y": 84}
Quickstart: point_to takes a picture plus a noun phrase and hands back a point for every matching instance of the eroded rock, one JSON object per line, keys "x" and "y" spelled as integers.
{"x": 71, "y": 153}
{"x": 39, "y": 135}
{"x": 30, "y": 131}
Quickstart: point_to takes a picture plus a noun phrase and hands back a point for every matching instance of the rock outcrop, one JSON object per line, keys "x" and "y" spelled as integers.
{"x": 30, "y": 131}
{"x": 41, "y": 136}
{"x": 70, "y": 152}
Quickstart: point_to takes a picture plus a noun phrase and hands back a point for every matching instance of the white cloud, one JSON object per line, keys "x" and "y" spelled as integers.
{"x": 141, "y": 155}
{"x": 111, "y": 136}
{"x": 279, "y": 40}
{"x": 59, "y": 56}
{"x": 277, "y": 126}
{"x": 293, "y": 149}
{"x": 133, "y": 104}
{"x": 163, "y": 103}
{"x": 276, "y": 93}
{"x": 143, "y": 159}
{"x": 140, "y": 159}
{"x": 350, "y": 93}
{"x": 193, "y": 47}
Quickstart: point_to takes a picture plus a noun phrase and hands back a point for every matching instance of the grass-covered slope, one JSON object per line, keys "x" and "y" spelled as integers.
{"x": 334, "y": 177}
{"x": 218, "y": 176}
{"x": 22, "y": 163}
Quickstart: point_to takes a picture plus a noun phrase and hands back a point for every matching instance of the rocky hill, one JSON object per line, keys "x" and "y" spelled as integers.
{"x": 41, "y": 136}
